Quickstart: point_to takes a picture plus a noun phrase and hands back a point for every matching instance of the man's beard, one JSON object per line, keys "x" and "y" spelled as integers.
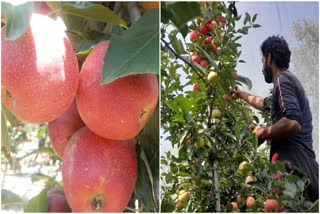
{"x": 267, "y": 73}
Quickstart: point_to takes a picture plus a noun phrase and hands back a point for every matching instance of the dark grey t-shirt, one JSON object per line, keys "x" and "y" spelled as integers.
{"x": 289, "y": 100}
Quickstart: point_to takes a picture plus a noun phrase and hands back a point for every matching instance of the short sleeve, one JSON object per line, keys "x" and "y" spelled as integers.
{"x": 288, "y": 100}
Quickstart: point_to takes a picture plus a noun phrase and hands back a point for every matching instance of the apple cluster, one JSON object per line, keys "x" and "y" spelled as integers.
{"x": 91, "y": 126}
{"x": 270, "y": 204}
{"x": 206, "y": 35}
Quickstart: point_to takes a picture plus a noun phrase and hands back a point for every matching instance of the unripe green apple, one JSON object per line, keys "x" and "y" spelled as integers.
{"x": 212, "y": 76}
{"x": 216, "y": 113}
{"x": 200, "y": 143}
{"x": 249, "y": 179}
{"x": 241, "y": 166}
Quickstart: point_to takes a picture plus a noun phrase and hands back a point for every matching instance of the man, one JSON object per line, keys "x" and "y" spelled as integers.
{"x": 291, "y": 130}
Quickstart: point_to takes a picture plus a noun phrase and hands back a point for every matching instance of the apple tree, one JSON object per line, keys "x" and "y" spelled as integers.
{"x": 132, "y": 29}
{"x": 215, "y": 163}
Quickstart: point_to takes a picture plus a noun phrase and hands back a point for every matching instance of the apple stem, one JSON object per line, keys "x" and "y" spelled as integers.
{"x": 180, "y": 57}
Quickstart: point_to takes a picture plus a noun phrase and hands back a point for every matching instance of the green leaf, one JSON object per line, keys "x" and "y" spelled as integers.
{"x": 246, "y": 19}
{"x": 38, "y": 203}
{"x": 182, "y": 12}
{"x": 178, "y": 46}
{"x": 212, "y": 62}
{"x": 10, "y": 117}
{"x": 245, "y": 80}
{"x": 290, "y": 189}
{"x": 280, "y": 167}
{"x": 4, "y": 133}
{"x": 95, "y": 11}
{"x": 314, "y": 208}
{"x": 183, "y": 174}
{"x": 83, "y": 54}
{"x": 254, "y": 17}
{"x": 149, "y": 140}
{"x": 49, "y": 181}
{"x": 144, "y": 184}
{"x": 136, "y": 51}
{"x": 8, "y": 197}
{"x": 17, "y": 18}
{"x": 256, "y": 26}
{"x": 242, "y": 61}
{"x": 167, "y": 204}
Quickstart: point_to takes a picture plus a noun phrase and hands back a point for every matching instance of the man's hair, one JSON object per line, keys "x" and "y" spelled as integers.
{"x": 278, "y": 49}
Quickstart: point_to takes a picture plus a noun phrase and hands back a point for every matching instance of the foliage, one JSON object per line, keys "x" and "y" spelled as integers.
{"x": 87, "y": 23}
{"x": 207, "y": 151}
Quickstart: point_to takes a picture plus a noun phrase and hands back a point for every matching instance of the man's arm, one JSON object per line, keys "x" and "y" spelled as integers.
{"x": 254, "y": 101}
{"x": 283, "y": 129}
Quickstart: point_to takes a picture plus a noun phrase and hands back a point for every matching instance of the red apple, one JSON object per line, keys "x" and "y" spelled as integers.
{"x": 213, "y": 23}
{"x": 271, "y": 205}
{"x": 281, "y": 208}
{"x": 39, "y": 71}
{"x": 234, "y": 96}
{"x": 250, "y": 202}
{"x": 57, "y": 201}
{"x": 225, "y": 96}
{"x": 215, "y": 49}
{"x": 274, "y": 157}
{"x": 234, "y": 74}
{"x": 222, "y": 19}
{"x": 196, "y": 87}
{"x": 194, "y": 35}
{"x": 117, "y": 110}
{"x": 99, "y": 174}
{"x": 204, "y": 30}
{"x": 204, "y": 63}
{"x": 207, "y": 41}
{"x": 61, "y": 129}
{"x": 195, "y": 58}
{"x": 276, "y": 175}
{"x": 234, "y": 206}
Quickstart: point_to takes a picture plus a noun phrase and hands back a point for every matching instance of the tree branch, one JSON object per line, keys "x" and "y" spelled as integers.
{"x": 185, "y": 61}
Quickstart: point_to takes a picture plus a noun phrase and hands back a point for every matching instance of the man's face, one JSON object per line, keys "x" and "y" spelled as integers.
{"x": 266, "y": 70}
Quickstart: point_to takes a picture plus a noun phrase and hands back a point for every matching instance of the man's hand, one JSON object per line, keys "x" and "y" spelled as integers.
{"x": 259, "y": 131}
{"x": 254, "y": 101}
{"x": 236, "y": 91}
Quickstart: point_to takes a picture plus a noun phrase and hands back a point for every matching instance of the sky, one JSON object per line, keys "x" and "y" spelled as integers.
{"x": 275, "y": 18}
